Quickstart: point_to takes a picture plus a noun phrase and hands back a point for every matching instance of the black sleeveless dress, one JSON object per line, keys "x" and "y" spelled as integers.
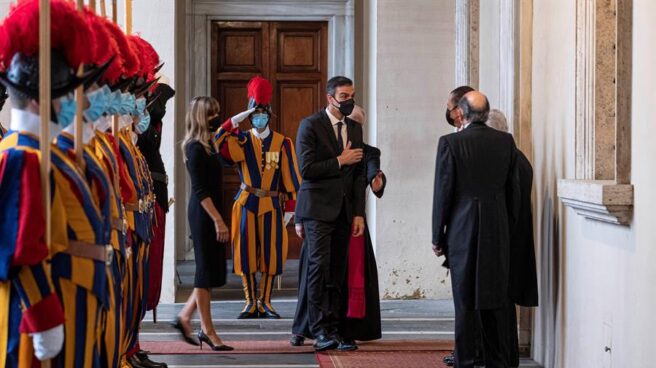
{"x": 206, "y": 174}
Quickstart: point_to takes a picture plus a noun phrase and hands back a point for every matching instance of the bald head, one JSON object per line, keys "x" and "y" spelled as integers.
{"x": 475, "y": 107}
{"x": 497, "y": 120}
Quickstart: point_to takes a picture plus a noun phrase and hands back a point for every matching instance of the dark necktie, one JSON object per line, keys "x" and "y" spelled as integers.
{"x": 340, "y": 140}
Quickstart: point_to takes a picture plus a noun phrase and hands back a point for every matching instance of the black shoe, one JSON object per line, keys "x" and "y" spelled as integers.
{"x": 189, "y": 339}
{"x": 248, "y": 315}
{"x": 143, "y": 357}
{"x": 202, "y": 338}
{"x": 297, "y": 340}
{"x": 347, "y": 345}
{"x": 449, "y": 360}
{"x": 269, "y": 314}
{"x": 266, "y": 312}
{"x": 136, "y": 362}
{"x": 323, "y": 343}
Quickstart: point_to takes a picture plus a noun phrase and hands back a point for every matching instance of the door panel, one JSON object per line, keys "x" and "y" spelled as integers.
{"x": 293, "y": 56}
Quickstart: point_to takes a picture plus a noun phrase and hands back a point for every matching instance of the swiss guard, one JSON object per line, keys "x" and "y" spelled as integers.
{"x": 60, "y": 306}
{"x": 270, "y": 178}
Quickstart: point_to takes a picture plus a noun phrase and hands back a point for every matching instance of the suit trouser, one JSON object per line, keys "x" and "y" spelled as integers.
{"x": 327, "y": 254}
{"x": 492, "y": 325}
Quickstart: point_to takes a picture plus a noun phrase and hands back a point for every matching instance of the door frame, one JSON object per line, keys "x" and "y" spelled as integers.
{"x": 198, "y": 30}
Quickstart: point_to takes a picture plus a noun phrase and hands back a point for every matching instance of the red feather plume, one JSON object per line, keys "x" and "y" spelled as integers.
{"x": 148, "y": 57}
{"x": 106, "y": 48}
{"x": 261, "y": 90}
{"x": 136, "y": 50}
{"x": 127, "y": 51}
{"x": 69, "y": 32}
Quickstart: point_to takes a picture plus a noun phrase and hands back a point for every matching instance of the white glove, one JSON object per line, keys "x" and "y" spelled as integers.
{"x": 288, "y": 217}
{"x": 240, "y": 117}
{"x": 47, "y": 344}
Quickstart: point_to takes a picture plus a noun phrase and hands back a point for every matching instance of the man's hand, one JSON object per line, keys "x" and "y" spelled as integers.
{"x": 358, "y": 226}
{"x": 299, "y": 230}
{"x": 241, "y": 117}
{"x": 350, "y": 156}
{"x": 377, "y": 182}
{"x": 438, "y": 250}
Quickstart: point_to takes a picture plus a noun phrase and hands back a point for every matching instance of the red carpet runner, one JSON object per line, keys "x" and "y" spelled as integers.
{"x": 397, "y": 347}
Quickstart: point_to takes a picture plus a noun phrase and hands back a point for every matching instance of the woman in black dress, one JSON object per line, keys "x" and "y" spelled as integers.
{"x": 208, "y": 230}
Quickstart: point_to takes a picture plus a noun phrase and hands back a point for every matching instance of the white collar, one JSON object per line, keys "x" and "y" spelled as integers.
{"x": 25, "y": 121}
{"x": 29, "y": 122}
{"x": 333, "y": 118}
{"x": 87, "y": 132}
{"x": 261, "y": 136}
{"x": 466, "y": 126}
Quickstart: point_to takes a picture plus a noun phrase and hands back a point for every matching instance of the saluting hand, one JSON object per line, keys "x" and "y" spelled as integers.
{"x": 222, "y": 232}
{"x": 350, "y": 156}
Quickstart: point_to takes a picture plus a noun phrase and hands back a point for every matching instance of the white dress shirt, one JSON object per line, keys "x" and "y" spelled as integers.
{"x": 334, "y": 121}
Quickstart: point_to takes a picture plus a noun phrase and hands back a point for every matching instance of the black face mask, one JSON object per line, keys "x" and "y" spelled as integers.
{"x": 449, "y": 119}
{"x": 346, "y": 107}
{"x": 214, "y": 123}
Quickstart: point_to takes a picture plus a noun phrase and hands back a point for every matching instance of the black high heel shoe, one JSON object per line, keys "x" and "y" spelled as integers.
{"x": 202, "y": 338}
{"x": 177, "y": 324}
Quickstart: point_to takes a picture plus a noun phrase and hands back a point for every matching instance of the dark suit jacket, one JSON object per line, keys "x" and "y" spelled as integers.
{"x": 325, "y": 186}
{"x": 372, "y": 162}
{"x": 476, "y": 204}
{"x": 523, "y": 275}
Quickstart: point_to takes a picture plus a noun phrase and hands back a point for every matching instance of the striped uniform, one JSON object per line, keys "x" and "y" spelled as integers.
{"x": 27, "y": 299}
{"x": 80, "y": 280}
{"x": 258, "y": 231}
{"x": 105, "y": 198}
{"x": 114, "y": 329}
{"x": 142, "y": 217}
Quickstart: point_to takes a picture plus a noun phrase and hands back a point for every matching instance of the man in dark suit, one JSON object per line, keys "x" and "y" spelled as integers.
{"x": 330, "y": 205}
{"x": 523, "y": 288}
{"x": 476, "y": 203}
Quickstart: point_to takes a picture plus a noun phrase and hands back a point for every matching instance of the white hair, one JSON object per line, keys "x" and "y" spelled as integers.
{"x": 497, "y": 120}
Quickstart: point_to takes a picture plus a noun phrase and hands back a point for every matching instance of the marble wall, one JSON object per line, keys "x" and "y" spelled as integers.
{"x": 411, "y": 56}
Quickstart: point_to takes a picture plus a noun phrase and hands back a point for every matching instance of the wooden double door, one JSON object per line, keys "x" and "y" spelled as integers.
{"x": 292, "y": 56}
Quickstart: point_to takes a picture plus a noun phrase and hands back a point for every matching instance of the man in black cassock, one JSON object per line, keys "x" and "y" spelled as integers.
{"x": 523, "y": 289}
{"x": 476, "y": 204}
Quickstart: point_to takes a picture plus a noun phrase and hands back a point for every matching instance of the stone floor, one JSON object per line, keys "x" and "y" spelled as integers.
{"x": 402, "y": 319}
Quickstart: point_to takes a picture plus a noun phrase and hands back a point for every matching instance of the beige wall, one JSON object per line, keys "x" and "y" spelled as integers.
{"x": 412, "y": 57}
{"x": 156, "y": 25}
{"x": 607, "y": 295}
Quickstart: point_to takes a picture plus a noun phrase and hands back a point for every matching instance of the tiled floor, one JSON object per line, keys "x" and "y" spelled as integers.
{"x": 402, "y": 319}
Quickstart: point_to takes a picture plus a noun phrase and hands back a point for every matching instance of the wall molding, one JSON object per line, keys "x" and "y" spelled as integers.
{"x": 467, "y": 42}
{"x": 601, "y": 189}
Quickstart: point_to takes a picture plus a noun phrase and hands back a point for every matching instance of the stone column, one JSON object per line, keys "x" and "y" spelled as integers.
{"x": 467, "y": 26}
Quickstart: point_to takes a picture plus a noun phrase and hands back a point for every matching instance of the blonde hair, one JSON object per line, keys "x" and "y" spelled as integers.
{"x": 196, "y": 122}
